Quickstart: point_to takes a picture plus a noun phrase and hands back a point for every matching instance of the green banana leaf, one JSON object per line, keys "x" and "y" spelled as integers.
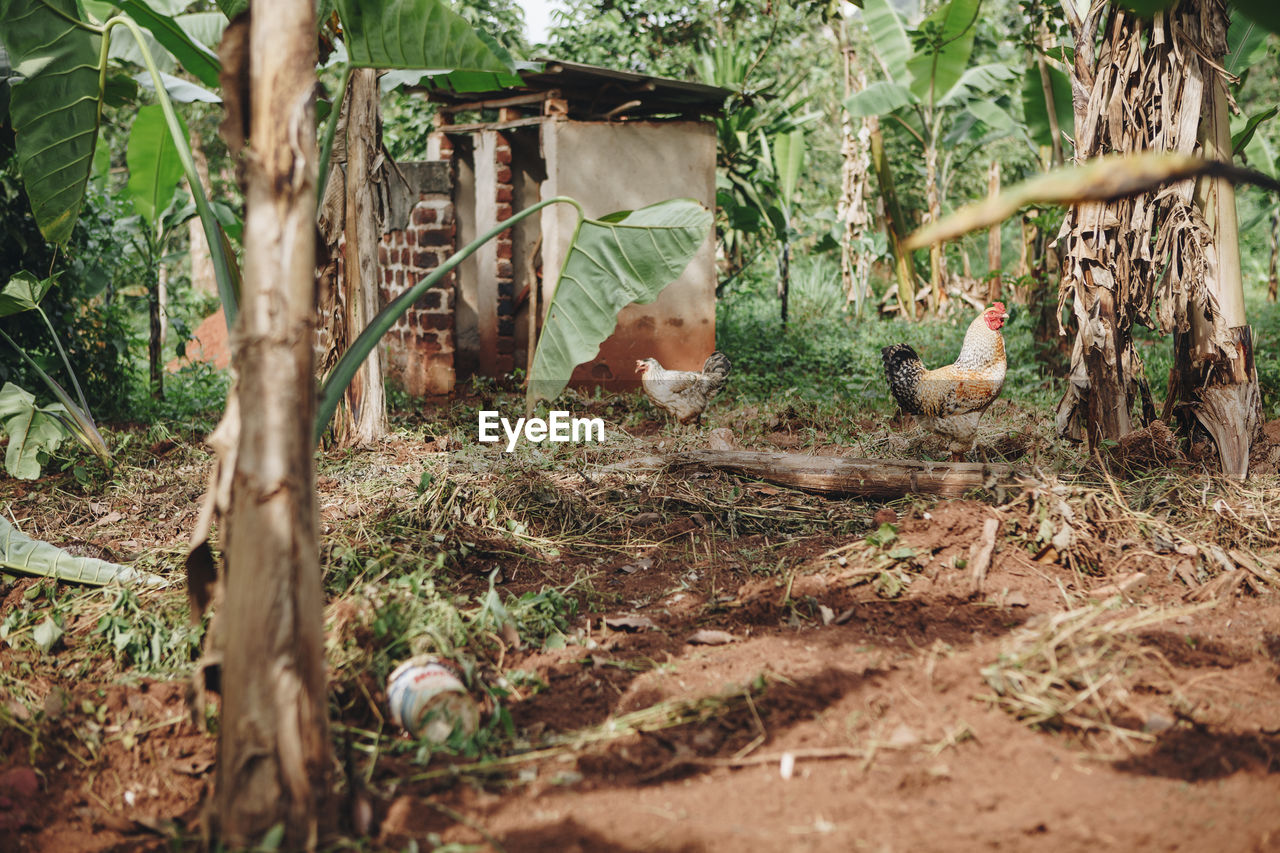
{"x": 879, "y": 99}
{"x": 34, "y": 431}
{"x": 938, "y": 67}
{"x": 424, "y": 34}
{"x": 978, "y": 80}
{"x": 231, "y": 8}
{"x": 1036, "y": 112}
{"x": 154, "y": 167}
{"x": 1246, "y": 44}
{"x": 20, "y": 553}
{"x": 889, "y": 37}
{"x": 612, "y": 262}
{"x": 55, "y": 108}
{"x": 788, "y": 158}
{"x": 197, "y": 59}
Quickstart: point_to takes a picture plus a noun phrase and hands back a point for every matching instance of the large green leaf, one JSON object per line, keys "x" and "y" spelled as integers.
{"x": 1265, "y": 13}
{"x": 154, "y": 167}
{"x": 23, "y": 292}
{"x": 1246, "y": 44}
{"x": 34, "y": 431}
{"x": 231, "y": 8}
{"x": 424, "y": 34}
{"x": 55, "y": 109}
{"x": 1036, "y": 112}
{"x": 990, "y": 114}
{"x": 889, "y": 38}
{"x": 197, "y": 59}
{"x": 75, "y": 418}
{"x": 937, "y": 67}
{"x": 788, "y": 159}
{"x": 624, "y": 258}
{"x": 20, "y": 553}
{"x": 1240, "y": 139}
{"x": 978, "y": 80}
{"x": 879, "y": 99}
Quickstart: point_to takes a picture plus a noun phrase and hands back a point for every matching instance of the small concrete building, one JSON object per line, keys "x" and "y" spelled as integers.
{"x": 611, "y": 140}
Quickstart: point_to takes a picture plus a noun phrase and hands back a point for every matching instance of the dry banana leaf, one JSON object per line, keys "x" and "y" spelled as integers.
{"x": 1104, "y": 179}
{"x": 21, "y": 553}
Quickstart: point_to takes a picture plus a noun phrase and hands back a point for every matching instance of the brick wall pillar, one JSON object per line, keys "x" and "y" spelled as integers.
{"x": 420, "y": 345}
{"x": 504, "y": 271}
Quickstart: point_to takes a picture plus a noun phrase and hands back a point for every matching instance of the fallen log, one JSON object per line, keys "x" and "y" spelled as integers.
{"x": 849, "y": 475}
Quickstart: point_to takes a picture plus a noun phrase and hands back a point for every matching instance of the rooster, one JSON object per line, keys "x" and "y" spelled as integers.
{"x": 950, "y": 400}
{"x": 683, "y": 394}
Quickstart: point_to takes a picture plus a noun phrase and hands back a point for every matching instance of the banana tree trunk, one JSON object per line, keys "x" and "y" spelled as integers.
{"x": 895, "y": 225}
{"x": 156, "y": 298}
{"x": 1215, "y": 360}
{"x": 1143, "y": 93}
{"x": 1273, "y": 280}
{"x": 855, "y": 266}
{"x": 934, "y": 203}
{"x": 994, "y": 265}
{"x": 203, "y": 279}
{"x": 273, "y": 746}
{"x": 784, "y": 278}
{"x": 362, "y": 418}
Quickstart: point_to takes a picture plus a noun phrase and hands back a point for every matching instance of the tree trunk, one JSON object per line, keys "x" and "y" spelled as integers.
{"x": 994, "y": 265}
{"x": 937, "y": 272}
{"x": 1216, "y": 359}
{"x": 155, "y": 336}
{"x": 1156, "y": 85}
{"x": 848, "y": 475}
{"x": 1143, "y": 93}
{"x": 203, "y": 279}
{"x": 784, "y": 278}
{"x": 855, "y": 265}
{"x": 273, "y": 748}
{"x": 1273, "y": 280}
{"x": 895, "y": 225}
{"x": 361, "y": 420}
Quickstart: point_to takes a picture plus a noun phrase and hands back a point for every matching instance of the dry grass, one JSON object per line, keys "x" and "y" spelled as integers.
{"x": 1084, "y": 669}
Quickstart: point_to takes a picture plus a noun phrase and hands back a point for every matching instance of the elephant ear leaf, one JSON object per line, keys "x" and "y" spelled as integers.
{"x": 420, "y": 34}
{"x": 54, "y": 107}
{"x": 34, "y": 431}
{"x": 612, "y": 262}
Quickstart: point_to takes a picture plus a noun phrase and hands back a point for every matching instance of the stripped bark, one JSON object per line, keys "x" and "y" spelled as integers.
{"x": 1128, "y": 259}
{"x": 273, "y": 748}
{"x": 1219, "y": 382}
{"x": 351, "y": 222}
{"x": 895, "y": 225}
{"x": 855, "y": 265}
{"x": 933, "y": 212}
{"x": 994, "y": 265}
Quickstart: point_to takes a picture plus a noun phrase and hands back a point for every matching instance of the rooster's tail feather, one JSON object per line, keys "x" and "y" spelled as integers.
{"x": 715, "y": 371}
{"x": 718, "y": 363}
{"x": 903, "y": 368}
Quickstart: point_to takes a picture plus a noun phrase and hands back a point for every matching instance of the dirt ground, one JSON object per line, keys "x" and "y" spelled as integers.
{"x": 857, "y": 695}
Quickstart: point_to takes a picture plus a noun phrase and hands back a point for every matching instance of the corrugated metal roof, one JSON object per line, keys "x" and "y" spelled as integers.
{"x": 595, "y": 92}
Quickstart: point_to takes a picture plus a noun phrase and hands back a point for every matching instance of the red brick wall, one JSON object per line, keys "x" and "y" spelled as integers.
{"x": 419, "y": 346}
{"x": 505, "y": 272}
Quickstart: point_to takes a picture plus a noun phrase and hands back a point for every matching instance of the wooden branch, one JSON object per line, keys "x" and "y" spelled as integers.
{"x": 848, "y": 475}
{"x": 980, "y": 554}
